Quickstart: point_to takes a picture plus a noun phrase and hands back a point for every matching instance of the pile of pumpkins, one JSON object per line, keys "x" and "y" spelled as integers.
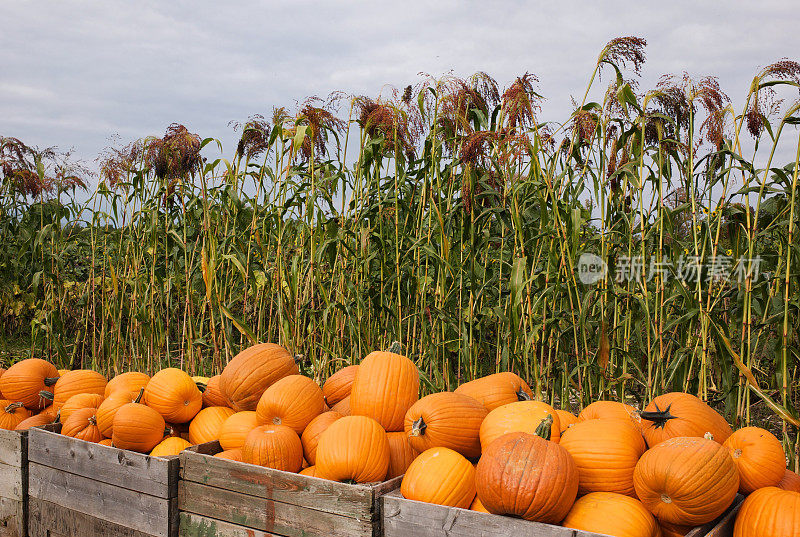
{"x": 488, "y": 446}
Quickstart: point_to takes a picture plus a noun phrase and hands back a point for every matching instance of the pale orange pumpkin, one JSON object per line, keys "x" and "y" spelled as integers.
{"x": 12, "y": 414}
{"x": 79, "y": 401}
{"x": 448, "y": 420}
{"x": 769, "y": 512}
{"x": 401, "y": 454}
{"x": 206, "y": 425}
{"x": 292, "y": 401}
{"x": 611, "y": 409}
{"x": 440, "y": 476}
{"x": 231, "y": 455}
{"x": 311, "y": 434}
{"x": 106, "y": 442}
{"x": 212, "y": 396}
{"x": 108, "y": 409}
{"x": 252, "y": 371}
{"x": 566, "y": 419}
{"x": 274, "y": 446}
{"x": 34, "y": 421}
{"x": 478, "y": 506}
{"x": 24, "y": 381}
{"x": 343, "y": 407}
{"x": 790, "y": 481}
{"x": 133, "y": 381}
{"x": 82, "y": 424}
{"x": 758, "y": 456}
{"x": 497, "y": 390}
{"x": 612, "y": 514}
{"x": 173, "y": 394}
{"x": 76, "y": 382}
{"x": 170, "y": 447}
{"x": 137, "y": 427}
{"x": 521, "y": 416}
{"x": 236, "y": 428}
{"x": 310, "y": 471}
{"x": 679, "y": 414}
{"x": 339, "y": 385}
{"x": 353, "y": 449}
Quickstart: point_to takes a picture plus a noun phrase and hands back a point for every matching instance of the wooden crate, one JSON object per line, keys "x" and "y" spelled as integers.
{"x": 223, "y": 498}
{"x": 79, "y": 489}
{"x": 408, "y": 518}
{"x": 13, "y": 483}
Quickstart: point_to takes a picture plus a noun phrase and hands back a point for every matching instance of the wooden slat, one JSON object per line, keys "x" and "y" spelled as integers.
{"x": 267, "y": 515}
{"x": 141, "y": 512}
{"x": 51, "y": 520}
{"x": 153, "y": 476}
{"x": 11, "y": 482}
{"x": 12, "y": 518}
{"x": 200, "y": 526}
{"x": 12, "y": 447}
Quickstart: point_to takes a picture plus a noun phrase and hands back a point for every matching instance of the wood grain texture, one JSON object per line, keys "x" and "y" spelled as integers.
{"x": 13, "y": 446}
{"x": 199, "y": 526}
{"x": 12, "y": 518}
{"x": 51, "y": 520}
{"x": 13, "y": 483}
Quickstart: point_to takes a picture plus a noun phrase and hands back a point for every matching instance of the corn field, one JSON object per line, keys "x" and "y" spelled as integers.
{"x": 446, "y": 216}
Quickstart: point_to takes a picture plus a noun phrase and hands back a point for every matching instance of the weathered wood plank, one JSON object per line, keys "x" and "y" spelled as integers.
{"x": 13, "y": 446}
{"x": 153, "y": 476}
{"x": 200, "y": 526}
{"x": 141, "y": 512}
{"x": 11, "y": 482}
{"x": 12, "y": 518}
{"x": 51, "y": 520}
{"x": 268, "y": 515}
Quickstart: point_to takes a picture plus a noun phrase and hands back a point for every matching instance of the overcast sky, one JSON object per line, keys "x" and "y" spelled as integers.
{"x": 74, "y": 73}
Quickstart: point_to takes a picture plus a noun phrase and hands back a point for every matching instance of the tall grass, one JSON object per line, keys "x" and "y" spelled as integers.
{"x": 448, "y": 217}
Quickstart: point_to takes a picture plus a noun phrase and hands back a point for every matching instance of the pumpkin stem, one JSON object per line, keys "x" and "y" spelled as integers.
{"x": 522, "y": 395}
{"x": 395, "y": 347}
{"x": 658, "y": 417}
{"x": 139, "y": 397}
{"x": 50, "y": 381}
{"x": 418, "y": 427}
{"x": 201, "y": 386}
{"x": 93, "y": 420}
{"x": 47, "y": 395}
{"x": 58, "y": 417}
{"x": 544, "y": 429}
{"x": 10, "y": 409}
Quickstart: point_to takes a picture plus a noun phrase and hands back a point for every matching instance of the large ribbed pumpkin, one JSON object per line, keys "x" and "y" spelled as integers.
{"x": 108, "y": 409}
{"x": 170, "y": 447}
{"x": 273, "y": 446}
{"x": 133, "y": 381}
{"x": 212, "y": 395}
{"x": 236, "y": 428}
{"x": 79, "y": 401}
{"x": 137, "y": 427}
{"x": 611, "y": 409}
{"x": 311, "y": 434}
{"x": 790, "y": 481}
{"x": 206, "y": 426}
{"x": 440, "y": 476}
{"x": 12, "y": 414}
{"x": 34, "y": 421}
{"x": 527, "y": 476}
{"x": 686, "y": 480}
{"x": 448, "y": 420}
{"x": 759, "y": 457}
{"x": 82, "y": 424}
{"x": 612, "y": 514}
{"x": 339, "y": 385}
{"x": 24, "y": 381}
{"x": 252, "y": 371}
{"x": 497, "y": 390}
{"x": 769, "y": 512}
{"x": 292, "y": 401}
{"x": 353, "y": 449}
{"x": 385, "y": 387}
{"x": 77, "y": 382}
{"x": 681, "y": 414}
{"x": 173, "y": 394}
{"x": 606, "y": 452}
{"x": 401, "y": 454}
{"x": 519, "y": 417}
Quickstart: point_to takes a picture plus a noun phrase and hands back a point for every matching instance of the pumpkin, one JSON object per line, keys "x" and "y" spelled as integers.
{"x": 606, "y": 452}
{"x": 353, "y": 449}
{"x": 478, "y": 506}
{"x": 758, "y": 456}
{"x": 212, "y": 395}
{"x": 339, "y": 385}
{"x": 170, "y": 447}
{"x": 24, "y": 381}
{"x": 519, "y": 417}
{"x": 673, "y": 530}
{"x": 790, "y": 481}
{"x": 231, "y": 455}
{"x": 12, "y": 414}
{"x": 446, "y": 419}
{"x": 769, "y": 512}
{"x": 611, "y": 409}
{"x": 34, "y": 421}
{"x": 108, "y": 409}
{"x": 292, "y": 401}
{"x": 137, "y": 427}
{"x": 497, "y": 390}
{"x": 385, "y": 387}
{"x": 527, "y": 476}
{"x": 610, "y": 513}
{"x": 132, "y": 381}
{"x": 173, "y": 394}
{"x": 566, "y": 419}
{"x": 311, "y": 434}
{"x": 274, "y": 446}
{"x": 252, "y": 371}
{"x": 401, "y": 454}
{"x": 310, "y": 471}
{"x": 76, "y": 382}
{"x": 681, "y": 414}
{"x": 686, "y": 480}
{"x": 343, "y": 407}
{"x": 205, "y": 427}
{"x": 441, "y": 476}
{"x": 81, "y": 400}
{"x": 82, "y": 424}
{"x": 106, "y": 442}
{"x": 236, "y": 428}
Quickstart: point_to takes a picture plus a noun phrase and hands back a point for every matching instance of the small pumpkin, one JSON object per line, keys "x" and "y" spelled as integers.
{"x": 448, "y": 420}
{"x": 137, "y": 427}
{"x": 206, "y": 426}
{"x": 81, "y": 400}
{"x": 24, "y": 381}
{"x": 401, "y": 454}
{"x": 339, "y": 385}
{"x": 441, "y": 476}
{"x": 252, "y": 371}
{"x": 76, "y": 382}
{"x": 310, "y": 471}
{"x": 212, "y": 395}
{"x": 292, "y": 401}
{"x": 236, "y": 428}
{"x": 611, "y": 409}
{"x": 769, "y": 512}
{"x": 681, "y": 414}
{"x": 106, "y": 442}
{"x": 758, "y": 456}
{"x": 274, "y": 446}
{"x": 522, "y": 417}
{"x": 108, "y": 409}
{"x": 82, "y": 424}
{"x": 343, "y": 407}
{"x": 566, "y": 419}
{"x": 173, "y": 394}
{"x": 311, "y": 434}
{"x": 611, "y": 514}
{"x": 133, "y": 381}
{"x": 231, "y": 455}
{"x": 478, "y": 506}
{"x": 38, "y": 420}
{"x": 497, "y": 390}
{"x": 790, "y": 481}
{"x": 385, "y": 387}
{"x": 12, "y": 414}
{"x": 687, "y": 481}
{"x": 170, "y": 447}
{"x": 353, "y": 449}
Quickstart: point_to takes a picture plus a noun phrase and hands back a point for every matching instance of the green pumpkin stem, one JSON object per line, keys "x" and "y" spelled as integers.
{"x": 418, "y": 427}
{"x": 395, "y": 347}
{"x": 139, "y": 397}
{"x": 47, "y": 395}
{"x": 522, "y": 395}
{"x": 545, "y": 427}
{"x": 658, "y": 417}
{"x": 13, "y": 407}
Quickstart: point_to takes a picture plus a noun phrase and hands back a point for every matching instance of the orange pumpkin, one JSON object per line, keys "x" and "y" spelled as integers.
{"x": 206, "y": 426}
{"x": 611, "y": 409}
{"x": 448, "y": 420}
{"x": 759, "y": 457}
{"x": 339, "y": 385}
{"x": 769, "y": 512}
{"x": 81, "y": 400}
{"x": 612, "y": 514}
{"x": 686, "y": 480}
{"x": 478, "y": 506}
{"x": 353, "y": 449}
{"x": 106, "y": 442}
{"x": 212, "y": 396}
{"x": 231, "y": 455}
{"x": 790, "y": 481}
{"x": 519, "y": 417}
{"x": 132, "y": 381}
{"x": 236, "y": 428}
{"x": 311, "y": 434}
{"x": 681, "y": 414}
{"x": 441, "y": 476}
{"x": 137, "y": 427}
{"x": 170, "y": 447}
{"x": 34, "y": 421}
{"x": 292, "y": 401}
{"x": 82, "y": 424}
{"x": 606, "y": 452}
{"x": 252, "y": 371}
{"x": 274, "y": 446}
{"x": 527, "y": 476}
{"x": 566, "y": 419}
{"x": 343, "y": 407}
{"x": 108, "y": 409}
{"x": 673, "y": 530}
{"x": 12, "y": 414}
{"x": 173, "y": 394}
{"x": 76, "y": 382}
{"x": 401, "y": 454}
{"x": 310, "y": 471}
{"x": 497, "y": 390}
{"x": 385, "y": 387}
{"x": 24, "y": 381}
